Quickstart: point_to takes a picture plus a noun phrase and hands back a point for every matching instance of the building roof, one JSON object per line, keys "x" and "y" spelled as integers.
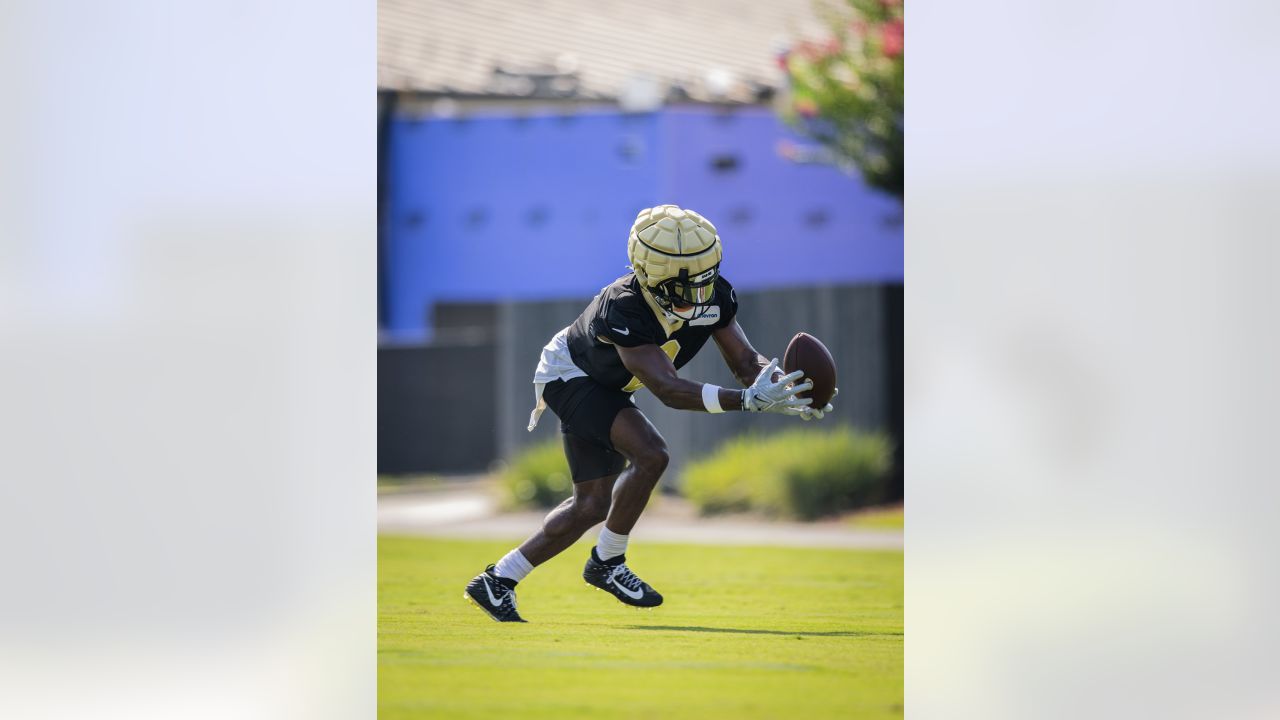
{"x": 628, "y": 50}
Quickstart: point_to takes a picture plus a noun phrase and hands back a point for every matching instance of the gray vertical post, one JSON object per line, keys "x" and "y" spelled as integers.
{"x": 507, "y": 370}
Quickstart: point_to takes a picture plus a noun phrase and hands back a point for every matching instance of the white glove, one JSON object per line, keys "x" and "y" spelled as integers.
{"x": 811, "y": 413}
{"x": 765, "y": 395}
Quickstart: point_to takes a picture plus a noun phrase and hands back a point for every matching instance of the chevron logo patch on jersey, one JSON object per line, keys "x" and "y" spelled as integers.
{"x": 710, "y": 317}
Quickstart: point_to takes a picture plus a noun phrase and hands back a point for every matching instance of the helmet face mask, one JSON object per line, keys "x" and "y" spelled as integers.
{"x": 695, "y": 294}
{"x": 675, "y": 254}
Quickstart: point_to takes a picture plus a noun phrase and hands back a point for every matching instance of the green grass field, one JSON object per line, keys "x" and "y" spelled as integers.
{"x": 744, "y": 633}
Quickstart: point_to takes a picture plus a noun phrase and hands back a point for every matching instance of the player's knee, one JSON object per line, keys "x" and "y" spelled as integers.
{"x": 653, "y": 461}
{"x": 591, "y": 509}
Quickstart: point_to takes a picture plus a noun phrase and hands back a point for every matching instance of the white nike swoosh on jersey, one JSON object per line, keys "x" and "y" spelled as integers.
{"x": 633, "y": 594}
{"x": 621, "y": 332}
{"x": 492, "y": 600}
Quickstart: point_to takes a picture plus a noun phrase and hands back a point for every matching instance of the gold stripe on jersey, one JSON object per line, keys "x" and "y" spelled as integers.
{"x": 671, "y": 348}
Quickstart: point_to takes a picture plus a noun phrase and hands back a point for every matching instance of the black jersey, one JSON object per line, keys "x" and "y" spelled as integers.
{"x": 619, "y": 315}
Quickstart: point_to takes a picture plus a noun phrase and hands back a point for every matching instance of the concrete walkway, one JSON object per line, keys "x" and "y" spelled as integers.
{"x": 470, "y": 510}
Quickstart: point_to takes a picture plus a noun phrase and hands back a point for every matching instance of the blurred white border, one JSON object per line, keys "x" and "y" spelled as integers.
{"x": 187, "y": 303}
{"x": 1091, "y": 359}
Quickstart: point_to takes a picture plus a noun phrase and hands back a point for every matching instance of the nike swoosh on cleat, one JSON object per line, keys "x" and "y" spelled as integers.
{"x": 634, "y": 595}
{"x": 492, "y": 600}
{"x": 621, "y": 332}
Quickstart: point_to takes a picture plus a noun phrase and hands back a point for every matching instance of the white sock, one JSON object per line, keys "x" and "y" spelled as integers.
{"x": 611, "y": 544}
{"x": 513, "y": 566}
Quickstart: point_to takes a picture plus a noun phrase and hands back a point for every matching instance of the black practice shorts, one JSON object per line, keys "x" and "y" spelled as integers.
{"x": 586, "y": 410}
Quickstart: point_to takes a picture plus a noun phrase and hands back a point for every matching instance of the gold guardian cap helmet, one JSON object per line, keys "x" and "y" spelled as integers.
{"x": 675, "y": 254}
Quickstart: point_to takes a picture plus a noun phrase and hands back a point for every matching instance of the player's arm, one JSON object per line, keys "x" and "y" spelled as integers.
{"x": 745, "y": 363}
{"x": 743, "y": 360}
{"x": 657, "y": 372}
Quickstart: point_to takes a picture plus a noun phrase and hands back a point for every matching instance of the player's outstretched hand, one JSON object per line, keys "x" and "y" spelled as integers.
{"x": 768, "y": 395}
{"x": 812, "y": 413}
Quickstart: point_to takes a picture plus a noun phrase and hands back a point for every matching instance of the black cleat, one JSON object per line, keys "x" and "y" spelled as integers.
{"x": 614, "y": 577}
{"x": 494, "y": 595}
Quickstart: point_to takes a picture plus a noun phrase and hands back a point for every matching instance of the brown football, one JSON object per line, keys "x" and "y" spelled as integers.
{"x": 806, "y": 352}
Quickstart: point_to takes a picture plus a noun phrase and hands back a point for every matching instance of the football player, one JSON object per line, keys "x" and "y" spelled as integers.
{"x": 636, "y": 333}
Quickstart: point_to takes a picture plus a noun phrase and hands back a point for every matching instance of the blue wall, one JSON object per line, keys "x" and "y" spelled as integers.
{"x": 491, "y": 208}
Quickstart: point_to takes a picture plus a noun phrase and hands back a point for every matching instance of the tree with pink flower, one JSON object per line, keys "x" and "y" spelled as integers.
{"x": 846, "y": 92}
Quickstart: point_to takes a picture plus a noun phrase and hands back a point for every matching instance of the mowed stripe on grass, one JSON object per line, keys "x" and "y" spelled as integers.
{"x": 744, "y": 632}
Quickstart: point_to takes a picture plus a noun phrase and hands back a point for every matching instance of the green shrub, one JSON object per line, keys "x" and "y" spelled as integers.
{"x": 799, "y": 474}
{"x": 538, "y": 477}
